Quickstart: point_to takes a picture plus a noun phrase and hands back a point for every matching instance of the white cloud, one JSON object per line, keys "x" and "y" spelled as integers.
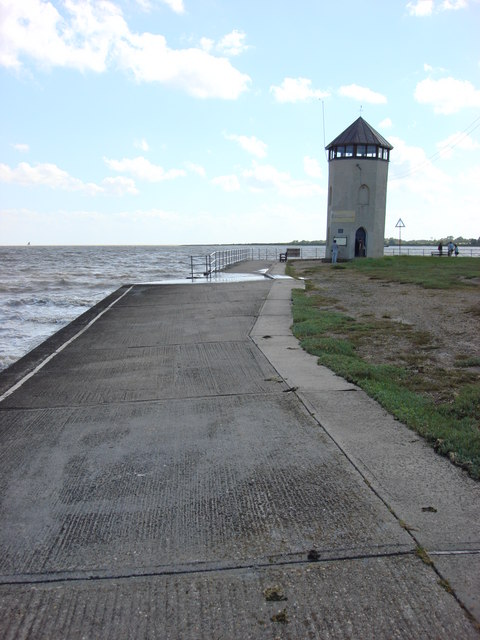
{"x": 141, "y": 144}
{"x": 296, "y": 90}
{"x": 227, "y": 183}
{"x": 46, "y": 174}
{"x": 457, "y": 140}
{"x": 385, "y": 124}
{"x": 143, "y": 169}
{"x": 262, "y": 177}
{"x": 232, "y": 44}
{"x": 153, "y": 214}
{"x": 84, "y": 39}
{"x": 22, "y": 148}
{"x": 312, "y": 167}
{"x": 146, "y": 5}
{"x": 251, "y": 144}
{"x": 51, "y": 176}
{"x": 420, "y": 8}
{"x": 94, "y": 35}
{"x": 119, "y": 186}
{"x": 428, "y": 68}
{"x": 447, "y": 95}
{"x": 196, "y": 168}
{"x": 471, "y": 177}
{"x": 362, "y": 94}
{"x": 195, "y": 71}
{"x": 175, "y": 5}
{"x": 207, "y": 44}
{"x": 448, "y": 5}
{"x": 411, "y": 170}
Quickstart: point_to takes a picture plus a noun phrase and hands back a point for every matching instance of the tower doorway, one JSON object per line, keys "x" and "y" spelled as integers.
{"x": 360, "y": 243}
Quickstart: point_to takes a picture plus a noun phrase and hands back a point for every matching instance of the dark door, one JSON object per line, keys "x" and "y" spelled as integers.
{"x": 360, "y": 243}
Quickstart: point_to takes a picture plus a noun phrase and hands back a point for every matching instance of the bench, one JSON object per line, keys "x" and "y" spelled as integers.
{"x": 290, "y": 253}
{"x": 444, "y": 253}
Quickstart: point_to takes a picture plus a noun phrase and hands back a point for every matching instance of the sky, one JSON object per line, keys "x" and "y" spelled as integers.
{"x": 205, "y": 121}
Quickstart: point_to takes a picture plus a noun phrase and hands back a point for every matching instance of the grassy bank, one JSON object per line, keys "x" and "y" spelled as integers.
{"x": 442, "y": 405}
{"x": 430, "y": 273}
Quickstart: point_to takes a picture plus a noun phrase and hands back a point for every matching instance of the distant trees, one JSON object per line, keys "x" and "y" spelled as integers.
{"x": 463, "y": 242}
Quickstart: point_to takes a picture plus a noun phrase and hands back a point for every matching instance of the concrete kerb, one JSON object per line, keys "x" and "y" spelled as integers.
{"x": 436, "y": 502}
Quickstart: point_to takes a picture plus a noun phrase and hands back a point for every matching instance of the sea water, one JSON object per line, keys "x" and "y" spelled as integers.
{"x": 43, "y": 288}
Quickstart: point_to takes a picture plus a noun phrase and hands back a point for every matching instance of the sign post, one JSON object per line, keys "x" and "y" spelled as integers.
{"x": 400, "y": 226}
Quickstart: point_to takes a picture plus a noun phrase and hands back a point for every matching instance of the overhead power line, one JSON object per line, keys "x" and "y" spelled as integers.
{"x": 438, "y": 154}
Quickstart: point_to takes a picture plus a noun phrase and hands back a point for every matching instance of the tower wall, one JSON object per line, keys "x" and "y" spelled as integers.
{"x": 357, "y": 196}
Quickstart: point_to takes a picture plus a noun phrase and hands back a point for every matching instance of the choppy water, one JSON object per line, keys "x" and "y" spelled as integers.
{"x": 44, "y": 288}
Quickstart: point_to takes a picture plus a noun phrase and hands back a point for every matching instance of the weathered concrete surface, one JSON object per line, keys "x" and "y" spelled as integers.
{"x": 372, "y": 598}
{"x": 159, "y": 473}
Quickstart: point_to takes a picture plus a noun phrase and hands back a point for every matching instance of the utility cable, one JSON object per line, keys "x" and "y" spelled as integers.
{"x": 438, "y": 154}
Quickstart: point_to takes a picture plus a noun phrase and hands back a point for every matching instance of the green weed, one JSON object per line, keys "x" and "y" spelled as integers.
{"x": 442, "y": 406}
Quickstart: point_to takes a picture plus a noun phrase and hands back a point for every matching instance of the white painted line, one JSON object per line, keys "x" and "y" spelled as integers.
{"x": 464, "y": 552}
{"x": 61, "y": 348}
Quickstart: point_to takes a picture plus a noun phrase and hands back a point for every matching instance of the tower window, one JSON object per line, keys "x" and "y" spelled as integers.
{"x": 358, "y": 151}
{"x": 361, "y": 150}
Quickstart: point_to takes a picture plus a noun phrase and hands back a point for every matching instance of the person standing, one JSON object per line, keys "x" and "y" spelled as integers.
{"x": 334, "y": 252}
{"x": 456, "y": 251}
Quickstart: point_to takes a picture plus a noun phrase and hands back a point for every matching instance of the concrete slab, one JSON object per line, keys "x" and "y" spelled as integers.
{"x": 194, "y": 480}
{"x": 463, "y": 571}
{"x": 288, "y": 359}
{"x": 200, "y": 294}
{"x": 82, "y": 376}
{"x": 372, "y": 599}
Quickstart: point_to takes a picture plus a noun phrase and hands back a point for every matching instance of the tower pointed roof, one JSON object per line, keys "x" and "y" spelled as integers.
{"x": 360, "y": 132}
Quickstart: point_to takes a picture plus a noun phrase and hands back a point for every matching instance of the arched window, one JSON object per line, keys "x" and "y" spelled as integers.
{"x": 364, "y": 195}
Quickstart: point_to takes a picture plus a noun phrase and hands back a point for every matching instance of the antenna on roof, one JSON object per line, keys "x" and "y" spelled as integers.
{"x": 323, "y": 117}
{"x": 361, "y": 109}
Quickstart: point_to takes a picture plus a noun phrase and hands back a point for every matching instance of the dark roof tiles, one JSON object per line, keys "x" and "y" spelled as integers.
{"x": 360, "y": 132}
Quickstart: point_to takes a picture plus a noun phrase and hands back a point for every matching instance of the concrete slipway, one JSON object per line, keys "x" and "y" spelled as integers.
{"x": 181, "y": 462}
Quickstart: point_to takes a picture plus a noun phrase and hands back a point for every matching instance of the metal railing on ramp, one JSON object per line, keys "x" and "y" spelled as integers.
{"x": 205, "y": 266}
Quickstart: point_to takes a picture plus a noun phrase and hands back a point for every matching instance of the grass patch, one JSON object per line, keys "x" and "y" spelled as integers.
{"x": 429, "y": 273}
{"x": 421, "y": 553}
{"x": 467, "y": 361}
{"x": 443, "y": 407}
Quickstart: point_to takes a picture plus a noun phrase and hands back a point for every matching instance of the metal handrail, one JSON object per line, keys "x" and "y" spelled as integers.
{"x": 205, "y": 266}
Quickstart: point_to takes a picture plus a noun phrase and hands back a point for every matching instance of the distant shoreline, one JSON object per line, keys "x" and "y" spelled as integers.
{"x": 297, "y": 243}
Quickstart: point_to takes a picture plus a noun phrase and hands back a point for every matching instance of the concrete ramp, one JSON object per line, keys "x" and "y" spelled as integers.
{"x": 161, "y": 478}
